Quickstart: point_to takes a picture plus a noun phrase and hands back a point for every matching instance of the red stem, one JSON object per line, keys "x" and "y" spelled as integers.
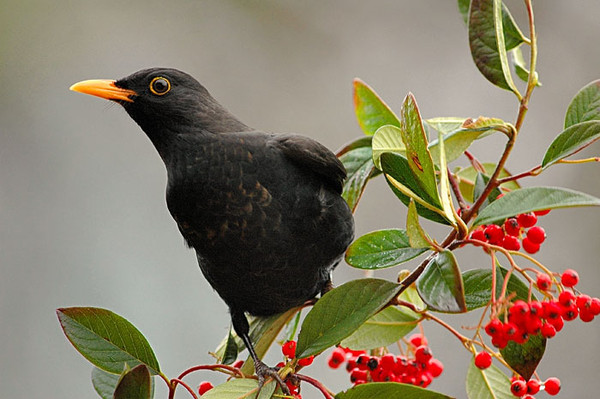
{"x": 316, "y": 383}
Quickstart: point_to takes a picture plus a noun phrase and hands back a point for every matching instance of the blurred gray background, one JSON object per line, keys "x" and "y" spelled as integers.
{"x": 82, "y": 212}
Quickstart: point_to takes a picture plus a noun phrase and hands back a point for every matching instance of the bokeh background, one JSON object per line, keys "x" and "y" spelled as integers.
{"x": 82, "y": 213}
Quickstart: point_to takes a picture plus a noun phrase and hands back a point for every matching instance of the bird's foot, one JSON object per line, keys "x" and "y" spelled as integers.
{"x": 263, "y": 371}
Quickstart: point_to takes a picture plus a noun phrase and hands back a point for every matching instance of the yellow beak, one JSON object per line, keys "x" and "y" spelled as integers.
{"x": 104, "y": 88}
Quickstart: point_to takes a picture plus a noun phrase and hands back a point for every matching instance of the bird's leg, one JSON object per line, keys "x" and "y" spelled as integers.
{"x": 242, "y": 329}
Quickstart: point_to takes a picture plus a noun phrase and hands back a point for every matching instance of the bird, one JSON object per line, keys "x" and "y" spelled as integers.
{"x": 264, "y": 212}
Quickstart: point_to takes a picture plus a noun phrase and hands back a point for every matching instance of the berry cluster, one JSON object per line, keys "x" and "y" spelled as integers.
{"x": 521, "y": 227}
{"x": 418, "y": 368}
{"x": 546, "y": 317}
{"x": 289, "y": 351}
{"x": 526, "y": 389}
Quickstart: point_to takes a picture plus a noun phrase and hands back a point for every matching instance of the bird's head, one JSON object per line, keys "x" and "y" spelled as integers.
{"x": 164, "y": 101}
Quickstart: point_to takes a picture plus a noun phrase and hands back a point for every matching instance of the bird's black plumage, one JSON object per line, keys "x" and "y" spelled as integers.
{"x": 262, "y": 211}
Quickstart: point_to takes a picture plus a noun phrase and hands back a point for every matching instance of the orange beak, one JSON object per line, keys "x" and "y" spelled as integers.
{"x": 104, "y": 88}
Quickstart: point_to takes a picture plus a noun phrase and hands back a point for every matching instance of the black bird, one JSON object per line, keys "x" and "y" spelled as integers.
{"x": 263, "y": 211}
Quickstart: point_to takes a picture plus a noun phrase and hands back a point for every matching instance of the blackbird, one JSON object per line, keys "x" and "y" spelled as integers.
{"x": 263, "y": 211}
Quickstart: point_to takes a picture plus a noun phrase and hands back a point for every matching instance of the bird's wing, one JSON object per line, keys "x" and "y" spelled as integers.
{"x": 314, "y": 156}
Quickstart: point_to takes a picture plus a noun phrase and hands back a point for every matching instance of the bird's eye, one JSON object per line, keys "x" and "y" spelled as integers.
{"x": 160, "y": 86}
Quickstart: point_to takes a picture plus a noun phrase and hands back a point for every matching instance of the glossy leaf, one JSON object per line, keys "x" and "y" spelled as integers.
{"x": 481, "y": 182}
{"x": 478, "y": 286}
{"x": 572, "y": 140}
{"x": 358, "y": 161}
{"x": 371, "y": 111}
{"x": 380, "y": 249}
{"x": 445, "y": 125}
{"x": 134, "y": 384}
{"x": 467, "y": 176}
{"x": 389, "y": 390}
{"x": 230, "y": 353}
{"x": 585, "y": 106}
{"x": 417, "y": 153}
{"x": 104, "y": 383}
{"x": 488, "y": 44}
{"x": 444, "y": 190}
{"x": 490, "y": 383}
{"x": 106, "y": 339}
{"x": 403, "y": 183}
{"x": 459, "y": 140}
{"x": 533, "y": 199}
{"x": 239, "y": 388}
{"x": 417, "y": 237}
{"x": 520, "y": 67}
{"x": 342, "y": 311}
{"x": 441, "y": 285}
{"x": 387, "y": 139}
{"x": 525, "y": 358}
{"x": 512, "y": 34}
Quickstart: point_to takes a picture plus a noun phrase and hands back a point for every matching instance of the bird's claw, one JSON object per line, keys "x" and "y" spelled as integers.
{"x": 263, "y": 371}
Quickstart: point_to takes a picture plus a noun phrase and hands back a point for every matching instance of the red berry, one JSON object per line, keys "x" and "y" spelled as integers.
{"x": 570, "y": 312}
{"x": 362, "y": 360}
{"x": 557, "y": 323}
{"x": 552, "y": 386}
{"x": 519, "y": 309}
{"x": 542, "y": 212}
{"x": 512, "y": 228}
{"x": 289, "y": 349}
{"x": 478, "y": 234}
{"x": 494, "y": 327}
{"x": 306, "y": 361}
{"x": 586, "y": 315}
{"x": 494, "y": 234}
{"x": 595, "y": 306}
{"x": 533, "y": 325}
{"x": 544, "y": 282}
{"x": 551, "y": 310}
{"x": 500, "y": 341}
{"x": 435, "y": 367}
{"x": 566, "y": 298}
{"x": 511, "y": 243}
{"x": 373, "y": 363}
{"x": 238, "y": 364}
{"x": 530, "y": 246}
{"x": 337, "y": 357}
{"x": 569, "y": 278}
{"x": 417, "y": 340}
{"x": 548, "y": 330}
{"x": 511, "y": 331}
{"x": 527, "y": 219}
{"x": 583, "y": 301}
{"x": 204, "y": 387}
{"x": 536, "y": 234}
{"x": 388, "y": 362}
{"x": 483, "y": 360}
{"x": 533, "y": 387}
{"x": 357, "y": 375}
{"x": 518, "y": 388}
{"x": 423, "y": 354}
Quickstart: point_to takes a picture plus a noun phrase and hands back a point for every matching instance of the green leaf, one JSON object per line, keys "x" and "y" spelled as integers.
{"x": 441, "y": 286}
{"x": 417, "y": 153}
{"x": 490, "y": 383}
{"x": 371, "y": 111}
{"x": 106, "y": 339}
{"x": 231, "y": 349}
{"x": 240, "y": 388}
{"x": 383, "y": 329}
{"x": 478, "y": 286}
{"x": 389, "y": 390}
{"x": 531, "y": 199}
{"x": 585, "y": 106}
{"x": 512, "y": 34}
{"x": 481, "y": 182}
{"x": 387, "y": 139}
{"x": 381, "y": 249}
{"x": 524, "y": 358}
{"x": 342, "y": 311}
{"x": 398, "y": 174}
{"x": 417, "y": 237}
{"x": 104, "y": 383}
{"x": 457, "y": 141}
{"x": 520, "y": 67}
{"x": 467, "y": 177}
{"x": 572, "y": 140}
{"x": 358, "y": 160}
{"x": 488, "y": 44}
{"x": 445, "y": 125}
{"x": 445, "y": 196}
{"x": 134, "y": 384}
